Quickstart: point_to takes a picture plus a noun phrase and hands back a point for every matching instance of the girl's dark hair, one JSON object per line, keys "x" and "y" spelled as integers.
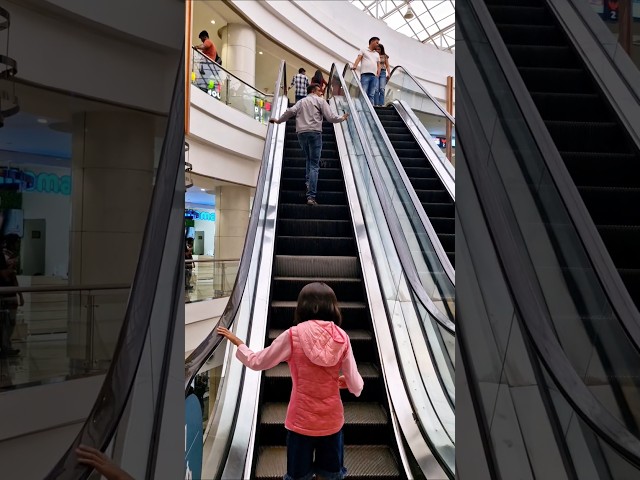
{"x": 317, "y": 301}
{"x": 317, "y": 77}
{"x": 382, "y": 52}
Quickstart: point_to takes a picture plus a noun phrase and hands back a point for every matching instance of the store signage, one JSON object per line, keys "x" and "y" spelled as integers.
{"x": 198, "y": 215}
{"x": 42, "y": 182}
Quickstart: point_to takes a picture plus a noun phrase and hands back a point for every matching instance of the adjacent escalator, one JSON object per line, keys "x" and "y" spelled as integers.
{"x": 434, "y": 197}
{"x": 317, "y": 243}
{"x": 595, "y": 147}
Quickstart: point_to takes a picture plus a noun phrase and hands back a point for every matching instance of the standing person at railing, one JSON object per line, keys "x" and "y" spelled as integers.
{"x": 188, "y": 266}
{"x": 370, "y": 69}
{"x": 378, "y": 99}
{"x": 318, "y": 79}
{"x": 207, "y": 47}
{"x": 309, "y": 113}
{"x": 317, "y": 351}
{"x": 301, "y": 83}
{"x": 9, "y": 303}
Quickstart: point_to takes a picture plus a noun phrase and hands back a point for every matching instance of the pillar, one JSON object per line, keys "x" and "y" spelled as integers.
{"x": 232, "y": 221}
{"x": 112, "y": 182}
{"x": 239, "y": 58}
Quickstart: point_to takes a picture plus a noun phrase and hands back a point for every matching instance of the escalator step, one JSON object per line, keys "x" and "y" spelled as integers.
{"x": 290, "y": 172}
{"x": 544, "y": 56}
{"x": 315, "y": 228}
{"x": 354, "y": 335}
{"x": 519, "y": 14}
{"x": 394, "y": 130}
{"x": 301, "y": 162}
{"x": 361, "y": 461}
{"x": 439, "y": 209}
{"x": 299, "y": 196}
{"x": 411, "y": 152}
{"x": 588, "y": 107}
{"x": 569, "y": 80}
{"x": 286, "y": 245}
{"x": 603, "y": 168}
{"x": 354, "y": 314}
{"x": 514, "y": 34}
{"x": 325, "y": 212}
{"x": 524, "y": 3}
{"x": 367, "y": 371}
{"x": 409, "y": 162}
{"x": 579, "y": 136}
{"x": 324, "y": 184}
{"x": 347, "y": 289}
{"x": 364, "y": 423}
{"x": 443, "y": 224}
{"x": 622, "y": 243}
{"x": 425, "y": 182}
{"x": 433, "y": 196}
{"x": 404, "y": 145}
{"x": 308, "y": 266}
{"x": 362, "y": 341}
{"x": 612, "y": 206}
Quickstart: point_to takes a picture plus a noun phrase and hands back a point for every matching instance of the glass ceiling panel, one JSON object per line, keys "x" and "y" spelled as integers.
{"x": 437, "y": 16}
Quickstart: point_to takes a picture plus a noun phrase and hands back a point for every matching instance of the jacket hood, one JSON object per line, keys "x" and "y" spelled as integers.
{"x": 324, "y": 343}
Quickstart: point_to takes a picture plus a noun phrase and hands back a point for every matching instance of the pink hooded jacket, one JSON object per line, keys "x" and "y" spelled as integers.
{"x": 316, "y": 351}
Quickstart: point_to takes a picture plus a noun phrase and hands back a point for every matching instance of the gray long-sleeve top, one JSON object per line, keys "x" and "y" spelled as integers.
{"x": 309, "y": 113}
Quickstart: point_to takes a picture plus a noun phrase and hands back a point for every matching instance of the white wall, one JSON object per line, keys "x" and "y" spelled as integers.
{"x": 326, "y": 32}
{"x": 75, "y": 54}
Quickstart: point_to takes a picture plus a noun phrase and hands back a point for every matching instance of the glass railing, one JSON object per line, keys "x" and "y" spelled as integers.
{"x": 401, "y": 85}
{"x": 224, "y": 86}
{"x": 208, "y": 278}
{"x": 419, "y": 330}
{"x": 59, "y": 332}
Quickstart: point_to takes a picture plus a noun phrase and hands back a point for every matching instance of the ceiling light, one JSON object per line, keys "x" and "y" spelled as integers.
{"x": 213, "y": 21}
{"x": 260, "y": 53}
{"x": 203, "y": 189}
{"x": 43, "y": 120}
{"x": 409, "y": 15}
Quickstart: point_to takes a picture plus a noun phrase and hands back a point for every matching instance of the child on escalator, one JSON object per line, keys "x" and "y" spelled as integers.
{"x": 317, "y": 350}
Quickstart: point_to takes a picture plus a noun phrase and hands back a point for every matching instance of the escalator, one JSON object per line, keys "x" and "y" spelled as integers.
{"x": 596, "y": 149}
{"x": 546, "y": 241}
{"x": 435, "y": 199}
{"x": 317, "y": 244}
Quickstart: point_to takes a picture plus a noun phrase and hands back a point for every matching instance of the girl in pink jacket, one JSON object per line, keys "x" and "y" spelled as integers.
{"x": 317, "y": 350}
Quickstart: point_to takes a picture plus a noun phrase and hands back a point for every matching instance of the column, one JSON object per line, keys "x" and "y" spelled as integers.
{"x": 112, "y": 182}
{"x": 232, "y": 220}
{"x": 239, "y": 58}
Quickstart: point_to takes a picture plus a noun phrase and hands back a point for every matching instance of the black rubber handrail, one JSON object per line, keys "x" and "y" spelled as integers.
{"x": 424, "y": 90}
{"x": 395, "y": 229}
{"x": 104, "y": 418}
{"x": 521, "y": 277}
{"x": 199, "y": 356}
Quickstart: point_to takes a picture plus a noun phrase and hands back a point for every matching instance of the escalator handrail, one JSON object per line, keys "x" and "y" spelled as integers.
{"x": 529, "y": 300}
{"x": 417, "y": 204}
{"x": 618, "y": 295}
{"x": 101, "y": 423}
{"x": 450, "y": 117}
{"x": 199, "y": 356}
{"x": 408, "y": 266}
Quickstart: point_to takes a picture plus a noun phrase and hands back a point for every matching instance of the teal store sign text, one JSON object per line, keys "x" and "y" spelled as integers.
{"x": 43, "y": 182}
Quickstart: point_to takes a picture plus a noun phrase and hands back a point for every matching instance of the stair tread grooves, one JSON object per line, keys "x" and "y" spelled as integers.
{"x": 362, "y": 413}
{"x": 308, "y": 278}
{"x": 294, "y": 303}
{"x": 374, "y": 461}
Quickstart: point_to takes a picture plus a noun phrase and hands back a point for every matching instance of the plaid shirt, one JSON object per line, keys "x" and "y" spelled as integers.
{"x": 301, "y": 83}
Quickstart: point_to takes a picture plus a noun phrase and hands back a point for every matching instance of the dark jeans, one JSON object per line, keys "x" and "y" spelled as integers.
{"x": 299, "y": 97}
{"x": 311, "y": 144}
{"x": 329, "y": 457}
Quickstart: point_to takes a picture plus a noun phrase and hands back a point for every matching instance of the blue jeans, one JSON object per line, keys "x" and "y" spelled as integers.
{"x": 311, "y": 144}
{"x": 329, "y": 457}
{"x": 369, "y": 84}
{"x": 382, "y": 83}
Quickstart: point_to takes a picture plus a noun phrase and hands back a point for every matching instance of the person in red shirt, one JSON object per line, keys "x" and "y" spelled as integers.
{"x": 207, "y": 47}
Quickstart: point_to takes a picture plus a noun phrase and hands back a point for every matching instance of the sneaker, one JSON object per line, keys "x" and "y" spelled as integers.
{"x": 311, "y": 201}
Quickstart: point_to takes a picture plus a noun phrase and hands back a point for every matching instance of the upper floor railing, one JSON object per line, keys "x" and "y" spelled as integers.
{"x": 224, "y": 86}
